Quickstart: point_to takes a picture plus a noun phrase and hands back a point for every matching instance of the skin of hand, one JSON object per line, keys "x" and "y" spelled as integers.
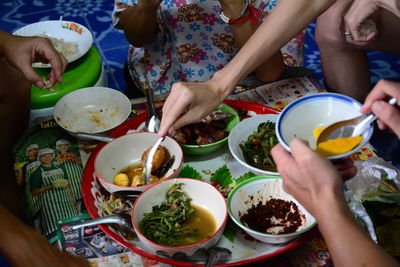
{"x": 307, "y": 176}
{"x": 361, "y": 10}
{"x": 23, "y": 246}
{"x": 315, "y": 183}
{"x": 139, "y": 22}
{"x": 193, "y": 101}
{"x": 21, "y": 52}
{"x": 388, "y": 115}
{"x": 287, "y": 20}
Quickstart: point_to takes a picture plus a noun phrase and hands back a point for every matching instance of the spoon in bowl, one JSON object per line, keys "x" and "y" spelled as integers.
{"x": 349, "y": 128}
{"x": 153, "y": 122}
{"x": 149, "y": 161}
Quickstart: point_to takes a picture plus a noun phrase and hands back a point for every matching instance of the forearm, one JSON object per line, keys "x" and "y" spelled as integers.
{"x": 272, "y": 68}
{"x": 347, "y": 242}
{"x": 139, "y": 24}
{"x": 288, "y": 19}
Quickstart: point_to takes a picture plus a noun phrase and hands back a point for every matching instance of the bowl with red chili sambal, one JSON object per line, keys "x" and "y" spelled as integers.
{"x": 266, "y": 212}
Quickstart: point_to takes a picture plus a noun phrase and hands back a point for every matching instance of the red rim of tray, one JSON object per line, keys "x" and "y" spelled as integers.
{"x": 135, "y": 122}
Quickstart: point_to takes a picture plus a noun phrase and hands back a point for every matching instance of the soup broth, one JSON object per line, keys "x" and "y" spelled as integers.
{"x": 199, "y": 226}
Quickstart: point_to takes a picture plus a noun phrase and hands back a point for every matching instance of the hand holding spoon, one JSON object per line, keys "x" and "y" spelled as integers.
{"x": 349, "y": 128}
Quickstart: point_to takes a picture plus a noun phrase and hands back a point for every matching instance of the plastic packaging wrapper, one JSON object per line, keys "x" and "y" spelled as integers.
{"x": 373, "y": 196}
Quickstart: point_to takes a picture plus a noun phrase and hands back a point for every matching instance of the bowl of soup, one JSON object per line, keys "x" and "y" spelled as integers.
{"x": 179, "y": 216}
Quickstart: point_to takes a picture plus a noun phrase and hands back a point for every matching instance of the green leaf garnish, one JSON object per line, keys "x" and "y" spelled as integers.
{"x": 245, "y": 177}
{"x": 230, "y": 230}
{"x": 190, "y": 172}
{"x": 223, "y": 176}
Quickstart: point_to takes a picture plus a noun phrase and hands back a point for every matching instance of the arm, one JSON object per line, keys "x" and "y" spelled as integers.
{"x": 23, "y": 246}
{"x": 317, "y": 185}
{"x": 21, "y": 52}
{"x": 35, "y": 184}
{"x": 139, "y": 22}
{"x": 271, "y": 69}
{"x": 388, "y": 115}
{"x": 187, "y": 102}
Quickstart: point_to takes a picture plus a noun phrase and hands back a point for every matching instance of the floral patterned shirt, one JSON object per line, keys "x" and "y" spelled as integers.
{"x": 192, "y": 43}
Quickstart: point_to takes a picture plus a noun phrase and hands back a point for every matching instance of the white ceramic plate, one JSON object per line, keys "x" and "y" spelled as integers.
{"x": 71, "y": 32}
{"x": 241, "y": 132}
{"x": 92, "y": 110}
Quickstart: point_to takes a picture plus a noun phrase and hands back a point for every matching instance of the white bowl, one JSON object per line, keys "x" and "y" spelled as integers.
{"x": 263, "y": 188}
{"x": 67, "y": 30}
{"x": 301, "y": 117}
{"x": 127, "y": 150}
{"x": 241, "y": 132}
{"x": 202, "y": 194}
{"x": 92, "y": 110}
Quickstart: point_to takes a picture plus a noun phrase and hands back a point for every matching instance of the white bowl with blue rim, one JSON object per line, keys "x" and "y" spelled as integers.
{"x": 301, "y": 117}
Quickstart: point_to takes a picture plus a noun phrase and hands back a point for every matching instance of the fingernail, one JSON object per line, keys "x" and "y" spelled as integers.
{"x": 39, "y": 84}
{"x": 377, "y": 107}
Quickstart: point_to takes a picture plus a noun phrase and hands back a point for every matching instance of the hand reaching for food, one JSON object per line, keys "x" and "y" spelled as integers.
{"x": 21, "y": 52}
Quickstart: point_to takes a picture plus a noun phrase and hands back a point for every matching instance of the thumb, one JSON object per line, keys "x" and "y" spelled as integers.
{"x": 30, "y": 74}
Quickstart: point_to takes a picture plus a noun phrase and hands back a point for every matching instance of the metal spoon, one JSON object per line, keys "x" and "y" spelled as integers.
{"x": 101, "y": 138}
{"x": 349, "y": 128}
{"x": 149, "y": 160}
{"x": 120, "y": 219}
{"x": 153, "y": 122}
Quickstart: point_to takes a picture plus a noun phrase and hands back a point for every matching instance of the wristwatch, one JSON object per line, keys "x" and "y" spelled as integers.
{"x": 240, "y": 18}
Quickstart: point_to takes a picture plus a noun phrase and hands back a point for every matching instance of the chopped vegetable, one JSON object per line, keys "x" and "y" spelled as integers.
{"x": 164, "y": 224}
{"x": 256, "y": 150}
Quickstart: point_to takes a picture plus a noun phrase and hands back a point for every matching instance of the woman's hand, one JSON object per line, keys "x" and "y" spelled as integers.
{"x": 388, "y": 115}
{"x": 310, "y": 178}
{"x": 21, "y": 52}
{"x": 188, "y": 103}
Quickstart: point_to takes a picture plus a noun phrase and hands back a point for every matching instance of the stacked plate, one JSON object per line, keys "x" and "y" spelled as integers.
{"x": 71, "y": 39}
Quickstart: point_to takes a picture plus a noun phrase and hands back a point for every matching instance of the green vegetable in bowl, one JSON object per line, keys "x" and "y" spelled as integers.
{"x": 256, "y": 150}
{"x": 164, "y": 224}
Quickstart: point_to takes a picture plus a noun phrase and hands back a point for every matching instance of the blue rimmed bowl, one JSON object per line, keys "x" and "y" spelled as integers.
{"x": 301, "y": 117}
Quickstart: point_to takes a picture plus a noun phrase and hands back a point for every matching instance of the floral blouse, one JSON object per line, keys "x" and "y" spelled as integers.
{"x": 192, "y": 43}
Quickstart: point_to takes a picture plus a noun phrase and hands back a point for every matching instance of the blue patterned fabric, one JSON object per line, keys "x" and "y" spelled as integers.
{"x": 96, "y": 15}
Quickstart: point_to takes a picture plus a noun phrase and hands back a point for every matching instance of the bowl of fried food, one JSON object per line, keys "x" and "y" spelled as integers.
{"x": 266, "y": 212}
{"x": 94, "y": 110}
{"x": 119, "y": 164}
{"x": 208, "y": 135}
{"x": 309, "y": 115}
{"x": 180, "y": 216}
{"x": 251, "y": 140}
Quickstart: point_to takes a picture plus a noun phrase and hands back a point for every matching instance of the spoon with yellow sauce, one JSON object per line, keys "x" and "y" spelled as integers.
{"x": 342, "y": 136}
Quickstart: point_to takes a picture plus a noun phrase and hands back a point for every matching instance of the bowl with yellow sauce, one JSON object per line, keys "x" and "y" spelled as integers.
{"x": 307, "y": 117}
{"x": 93, "y": 110}
{"x": 119, "y": 164}
{"x": 197, "y": 211}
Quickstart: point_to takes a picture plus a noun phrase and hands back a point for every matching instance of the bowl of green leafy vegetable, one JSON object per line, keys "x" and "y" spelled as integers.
{"x": 250, "y": 142}
{"x": 179, "y": 216}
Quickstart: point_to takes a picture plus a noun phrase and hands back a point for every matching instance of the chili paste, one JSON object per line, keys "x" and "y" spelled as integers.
{"x": 276, "y": 216}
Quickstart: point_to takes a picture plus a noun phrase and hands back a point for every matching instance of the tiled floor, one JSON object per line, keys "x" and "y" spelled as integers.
{"x": 96, "y": 15}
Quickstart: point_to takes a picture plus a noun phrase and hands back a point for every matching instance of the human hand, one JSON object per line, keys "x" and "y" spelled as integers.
{"x": 188, "y": 103}
{"x": 310, "y": 178}
{"x": 21, "y": 52}
{"x": 358, "y": 15}
{"x": 388, "y": 115}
